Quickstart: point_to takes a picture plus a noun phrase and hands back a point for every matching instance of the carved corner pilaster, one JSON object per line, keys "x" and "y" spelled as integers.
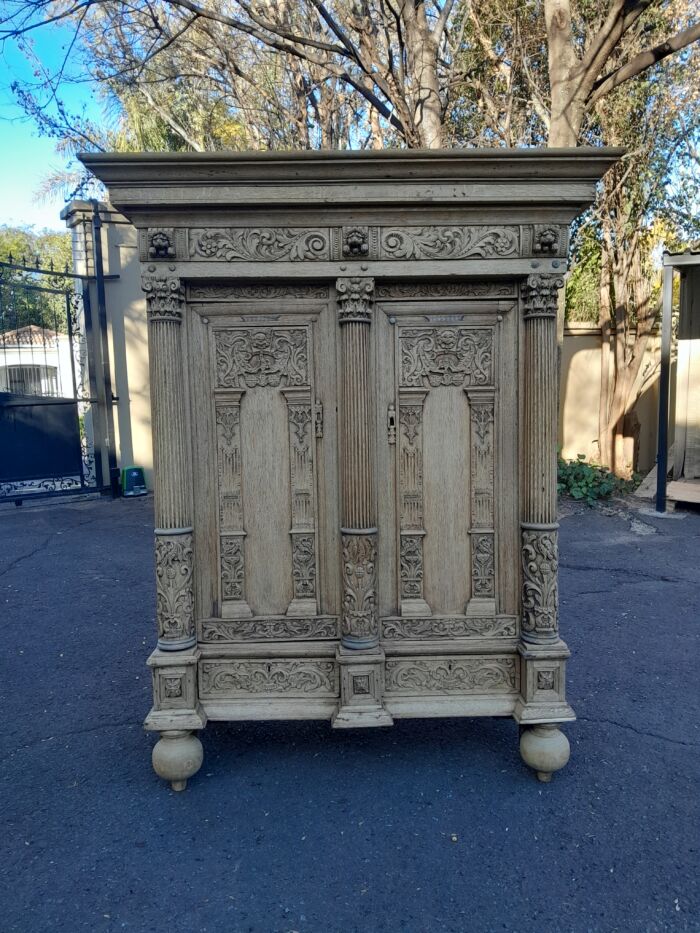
{"x": 355, "y": 299}
{"x": 175, "y": 695}
{"x": 361, "y": 690}
{"x": 174, "y": 589}
{"x": 165, "y": 293}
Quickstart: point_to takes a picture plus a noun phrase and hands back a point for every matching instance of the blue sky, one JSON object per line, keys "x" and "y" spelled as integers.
{"x": 26, "y": 158}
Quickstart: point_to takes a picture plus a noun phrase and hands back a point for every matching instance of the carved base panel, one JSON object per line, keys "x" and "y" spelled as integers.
{"x": 542, "y": 687}
{"x": 362, "y": 689}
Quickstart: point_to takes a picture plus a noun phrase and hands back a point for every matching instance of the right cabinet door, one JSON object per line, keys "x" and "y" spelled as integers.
{"x": 447, "y": 376}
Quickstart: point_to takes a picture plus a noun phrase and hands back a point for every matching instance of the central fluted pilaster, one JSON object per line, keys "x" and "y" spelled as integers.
{"x": 359, "y": 548}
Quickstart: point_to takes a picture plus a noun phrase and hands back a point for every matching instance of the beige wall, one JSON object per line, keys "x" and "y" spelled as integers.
{"x": 126, "y": 312}
{"x": 580, "y": 396}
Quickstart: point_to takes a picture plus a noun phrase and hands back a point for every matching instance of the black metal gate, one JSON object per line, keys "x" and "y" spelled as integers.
{"x": 52, "y": 409}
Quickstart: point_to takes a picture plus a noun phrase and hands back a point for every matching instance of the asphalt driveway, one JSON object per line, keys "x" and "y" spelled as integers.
{"x": 430, "y": 827}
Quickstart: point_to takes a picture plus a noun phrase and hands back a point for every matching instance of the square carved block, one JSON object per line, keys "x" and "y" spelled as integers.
{"x": 174, "y": 686}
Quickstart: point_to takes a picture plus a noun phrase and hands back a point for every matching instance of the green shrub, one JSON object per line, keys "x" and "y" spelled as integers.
{"x": 589, "y": 482}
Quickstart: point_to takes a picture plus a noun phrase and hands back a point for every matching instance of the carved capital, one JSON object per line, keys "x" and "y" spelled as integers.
{"x": 165, "y": 294}
{"x": 355, "y": 299}
{"x": 174, "y": 593}
{"x": 359, "y": 620}
{"x": 540, "y": 295}
{"x": 540, "y": 600}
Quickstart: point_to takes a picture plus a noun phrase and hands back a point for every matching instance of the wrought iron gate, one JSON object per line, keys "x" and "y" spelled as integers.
{"x": 52, "y": 409}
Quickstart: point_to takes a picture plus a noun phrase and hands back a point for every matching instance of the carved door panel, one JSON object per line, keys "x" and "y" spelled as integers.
{"x": 442, "y": 442}
{"x": 268, "y": 418}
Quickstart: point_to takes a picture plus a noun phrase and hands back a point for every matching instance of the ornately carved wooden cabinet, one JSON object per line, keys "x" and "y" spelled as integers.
{"x": 354, "y": 386}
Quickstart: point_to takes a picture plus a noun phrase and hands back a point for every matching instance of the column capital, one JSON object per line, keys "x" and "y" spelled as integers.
{"x": 355, "y": 299}
{"x": 165, "y": 293}
{"x": 540, "y": 295}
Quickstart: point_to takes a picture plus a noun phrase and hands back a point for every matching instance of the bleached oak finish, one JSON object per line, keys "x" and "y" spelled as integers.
{"x": 354, "y": 381}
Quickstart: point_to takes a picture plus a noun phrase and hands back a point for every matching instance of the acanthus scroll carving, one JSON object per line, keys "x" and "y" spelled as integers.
{"x": 448, "y": 627}
{"x": 165, "y": 294}
{"x": 355, "y": 299}
{"x": 233, "y": 678}
{"x": 483, "y": 572}
{"x": 304, "y": 566}
{"x": 256, "y": 244}
{"x": 359, "y": 586}
{"x": 446, "y": 356}
{"x": 264, "y": 357}
{"x": 540, "y": 595}
{"x": 449, "y": 242}
{"x": 174, "y": 595}
{"x": 423, "y": 290}
{"x": 450, "y": 675}
{"x": 540, "y": 295}
{"x": 411, "y": 558}
{"x": 271, "y": 628}
{"x": 232, "y": 567}
{"x": 482, "y": 424}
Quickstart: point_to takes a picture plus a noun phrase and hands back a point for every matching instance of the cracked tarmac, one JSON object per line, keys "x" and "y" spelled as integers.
{"x": 433, "y": 826}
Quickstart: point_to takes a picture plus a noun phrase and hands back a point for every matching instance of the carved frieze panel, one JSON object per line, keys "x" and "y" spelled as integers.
{"x": 263, "y": 292}
{"x": 410, "y": 676}
{"x": 359, "y": 586}
{"x": 260, "y": 244}
{"x": 423, "y": 290}
{"x": 174, "y": 593}
{"x": 454, "y": 242}
{"x": 269, "y": 356}
{"x": 396, "y": 629}
{"x": 270, "y": 628}
{"x": 540, "y": 594}
{"x": 230, "y": 679}
{"x": 446, "y": 356}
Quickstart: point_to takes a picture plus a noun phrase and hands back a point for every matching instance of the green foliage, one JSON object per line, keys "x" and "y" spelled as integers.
{"x": 583, "y": 284}
{"x": 21, "y": 304}
{"x": 588, "y": 481}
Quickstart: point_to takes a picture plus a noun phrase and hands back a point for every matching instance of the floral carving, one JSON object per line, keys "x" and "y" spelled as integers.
{"x": 540, "y": 597}
{"x": 359, "y": 582}
{"x": 449, "y": 242}
{"x": 234, "y": 678}
{"x": 482, "y": 565}
{"x": 272, "y": 628}
{"x": 448, "y": 627}
{"x": 299, "y": 420}
{"x": 451, "y": 675}
{"x": 447, "y": 356}
{"x": 540, "y": 295}
{"x": 165, "y": 294}
{"x": 444, "y": 290}
{"x": 172, "y": 687}
{"x": 229, "y": 466}
{"x": 264, "y": 357}
{"x": 232, "y": 567}
{"x": 174, "y": 597}
{"x": 355, "y": 299}
{"x": 206, "y": 292}
{"x": 482, "y": 419}
{"x": 260, "y": 244}
{"x": 411, "y": 567}
{"x": 304, "y": 566}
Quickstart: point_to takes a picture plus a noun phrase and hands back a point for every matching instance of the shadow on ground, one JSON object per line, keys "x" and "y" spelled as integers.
{"x": 429, "y": 827}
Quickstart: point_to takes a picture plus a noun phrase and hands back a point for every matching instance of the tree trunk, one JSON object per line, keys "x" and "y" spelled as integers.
{"x": 567, "y": 99}
{"x": 422, "y": 69}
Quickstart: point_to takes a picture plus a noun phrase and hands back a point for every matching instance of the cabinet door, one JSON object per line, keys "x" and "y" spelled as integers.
{"x": 455, "y": 491}
{"x": 266, "y": 415}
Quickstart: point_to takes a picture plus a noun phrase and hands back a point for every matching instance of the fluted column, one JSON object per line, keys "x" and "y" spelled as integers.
{"x": 165, "y": 296}
{"x": 358, "y": 516}
{"x": 539, "y": 525}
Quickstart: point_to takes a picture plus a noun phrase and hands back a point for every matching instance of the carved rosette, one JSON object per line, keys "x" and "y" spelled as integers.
{"x": 174, "y": 593}
{"x": 540, "y": 592}
{"x": 359, "y": 618}
{"x": 539, "y": 529}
